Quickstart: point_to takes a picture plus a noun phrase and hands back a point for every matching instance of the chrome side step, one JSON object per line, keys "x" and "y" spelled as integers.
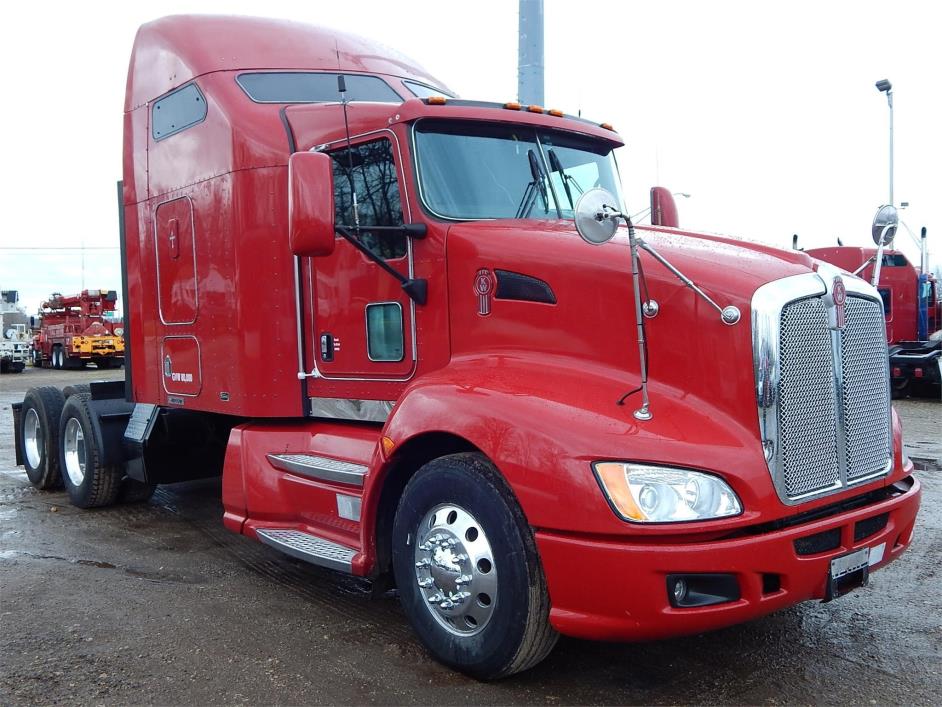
{"x": 320, "y": 468}
{"x": 309, "y": 548}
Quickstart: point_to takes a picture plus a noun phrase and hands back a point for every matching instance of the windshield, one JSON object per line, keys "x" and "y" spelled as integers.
{"x": 487, "y": 171}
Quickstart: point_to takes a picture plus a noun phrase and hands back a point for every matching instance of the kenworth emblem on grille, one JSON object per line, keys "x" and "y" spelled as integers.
{"x": 835, "y": 300}
{"x": 483, "y": 286}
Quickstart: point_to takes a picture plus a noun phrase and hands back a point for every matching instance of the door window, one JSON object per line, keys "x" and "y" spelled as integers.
{"x": 384, "y": 337}
{"x": 369, "y": 171}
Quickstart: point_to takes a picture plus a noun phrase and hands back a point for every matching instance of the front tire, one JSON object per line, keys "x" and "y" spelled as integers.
{"x": 468, "y": 571}
{"x": 89, "y": 482}
{"x": 39, "y": 436}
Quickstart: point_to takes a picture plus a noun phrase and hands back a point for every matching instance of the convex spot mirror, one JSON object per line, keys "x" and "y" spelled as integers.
{"x": 884, "y": 225}
{"x": 311, "y": 204}
{"x": 597, "y": 216}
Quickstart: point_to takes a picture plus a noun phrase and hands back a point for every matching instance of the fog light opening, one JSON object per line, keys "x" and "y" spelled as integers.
{"x": 680, "y": 591}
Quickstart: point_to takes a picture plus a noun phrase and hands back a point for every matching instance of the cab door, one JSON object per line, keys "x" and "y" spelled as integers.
{"x": 363, "y": 322}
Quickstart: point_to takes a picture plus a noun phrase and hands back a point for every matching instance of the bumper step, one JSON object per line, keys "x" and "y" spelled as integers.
{"x": 320, "y": 468}
{"x": 309, "y": 548}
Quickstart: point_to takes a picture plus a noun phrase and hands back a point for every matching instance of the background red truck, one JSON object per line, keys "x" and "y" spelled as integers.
{"x": 75, "y": 330}
{"x": 457, "y": 403}
{"x": 915, "y": 352}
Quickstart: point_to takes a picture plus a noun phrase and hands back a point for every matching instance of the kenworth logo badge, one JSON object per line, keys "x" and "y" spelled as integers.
{"x": 483, "y": 286}
{"x": 834, "y": 301}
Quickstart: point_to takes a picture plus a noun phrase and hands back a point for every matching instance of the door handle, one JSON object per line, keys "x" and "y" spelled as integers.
{"x": 327, "y": 347}
{"x": 173, "y": 238}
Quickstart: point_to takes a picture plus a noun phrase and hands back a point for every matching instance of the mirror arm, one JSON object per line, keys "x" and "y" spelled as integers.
{"x": 865, "y": 264}
{"x": 417, "y": 289}
{"x": 727, "y": 315}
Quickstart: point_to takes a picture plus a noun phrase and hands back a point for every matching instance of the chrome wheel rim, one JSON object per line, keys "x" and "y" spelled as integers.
{"x": 455, "y": 570}
{"x": 74, "y": 442}
{"x": 33, "y": 440}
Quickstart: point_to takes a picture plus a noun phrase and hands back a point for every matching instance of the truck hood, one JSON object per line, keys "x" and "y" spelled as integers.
{"x": 589, "y": 316}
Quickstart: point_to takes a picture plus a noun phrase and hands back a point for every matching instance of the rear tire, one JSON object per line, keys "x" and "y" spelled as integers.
{"x": 89, "y": 482}
{"x": 468, "y": 571}
{"x": 76, "y": 389}
{"x": 39, "y": 436}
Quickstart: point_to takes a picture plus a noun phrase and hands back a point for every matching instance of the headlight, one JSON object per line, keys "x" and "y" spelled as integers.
{"x": 655, "y": 494}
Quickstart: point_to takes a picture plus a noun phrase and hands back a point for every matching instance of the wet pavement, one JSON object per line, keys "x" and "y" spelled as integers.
{"x": 157, "y": 603}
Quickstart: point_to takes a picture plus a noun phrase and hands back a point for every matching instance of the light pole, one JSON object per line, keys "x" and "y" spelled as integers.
{"x": 884, "y": 86}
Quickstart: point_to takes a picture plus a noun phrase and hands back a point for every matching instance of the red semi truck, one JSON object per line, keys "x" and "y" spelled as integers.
{"x": 915, "y": 352}
{"x": 459, "y": 404}
{"x": 75, "y": 330}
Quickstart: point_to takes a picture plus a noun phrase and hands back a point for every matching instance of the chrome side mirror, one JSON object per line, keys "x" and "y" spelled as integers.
{"x": 597, "y": 216}
{"x": 884, "y": 225}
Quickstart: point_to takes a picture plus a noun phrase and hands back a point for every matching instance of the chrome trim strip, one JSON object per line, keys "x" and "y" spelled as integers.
{"x": 320, "y": 468}
{"x": 352, "y": 409}
{"x": 309, "y": 548}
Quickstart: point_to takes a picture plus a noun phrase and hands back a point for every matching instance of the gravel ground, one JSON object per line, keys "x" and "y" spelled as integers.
{"x": 157, "y": 603}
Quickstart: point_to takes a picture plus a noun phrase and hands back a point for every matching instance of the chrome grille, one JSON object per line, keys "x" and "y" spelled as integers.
{"x": 865, "y": 394}
{"x": 822, "y": 395}
{"x": 807, "y": 419}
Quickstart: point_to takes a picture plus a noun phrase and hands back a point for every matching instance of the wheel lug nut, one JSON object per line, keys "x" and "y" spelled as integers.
{"x": 435, "y": 598}
{"x": 464, "y": 579}
{"x": 423, "y": 563}
{"x": 427, "y": 582}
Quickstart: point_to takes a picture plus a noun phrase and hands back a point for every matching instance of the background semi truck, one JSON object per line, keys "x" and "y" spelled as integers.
{"x": 469, "y": 401}
{"x": 912, "y": 306}
{"x": 77, "y": 329}
{"x": 14, "y": 333}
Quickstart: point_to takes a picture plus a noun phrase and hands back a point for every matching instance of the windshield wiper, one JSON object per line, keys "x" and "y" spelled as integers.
{"x": 534, "y": 188}
{"x": 557, "y": 166}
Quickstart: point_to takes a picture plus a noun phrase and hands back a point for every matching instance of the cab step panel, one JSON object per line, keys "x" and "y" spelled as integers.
{"x": 320, "y": 468}
{"x": 309, "y": 548}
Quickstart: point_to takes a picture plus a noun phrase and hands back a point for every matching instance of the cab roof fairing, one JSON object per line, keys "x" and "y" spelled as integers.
{"x": 173, "y": 50}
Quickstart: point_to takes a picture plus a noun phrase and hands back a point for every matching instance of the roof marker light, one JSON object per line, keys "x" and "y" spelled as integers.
{"x": 606, "y": 126}
{"x": 437, "y": 100}
{"x": 555, "y": 112}
{"x": 512, "y": 105}
{"x": 535, "y": 109}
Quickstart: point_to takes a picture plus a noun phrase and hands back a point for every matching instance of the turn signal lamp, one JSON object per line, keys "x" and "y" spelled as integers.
{"x": 512, "y": 105}
{"x": 388, "y": 445}
{"x": 437, "y": 100}
{"x": 535, "y": 109}
{"x": 642, "y": 493}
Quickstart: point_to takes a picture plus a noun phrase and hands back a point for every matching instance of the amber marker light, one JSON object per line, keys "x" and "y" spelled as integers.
{"x": 437, "y": 100}
{"x": 612, "y": 476}
{"x": 555, "y": 112}
{"x": 535, "y": 109}
{"x": 512, "y": 105}
{"x": 606, "y": 126}
{"x": 387, "y": 445}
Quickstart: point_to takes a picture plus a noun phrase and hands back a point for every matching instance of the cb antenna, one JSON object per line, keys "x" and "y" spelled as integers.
{"x": 342, "y": 88}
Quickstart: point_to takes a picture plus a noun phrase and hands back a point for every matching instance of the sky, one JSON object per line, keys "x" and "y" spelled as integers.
{"x": 764, "y": 112}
